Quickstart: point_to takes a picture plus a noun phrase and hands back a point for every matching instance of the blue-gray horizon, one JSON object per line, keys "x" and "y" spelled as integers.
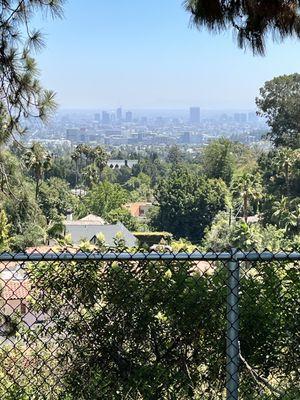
{"x": 148, "y": 56}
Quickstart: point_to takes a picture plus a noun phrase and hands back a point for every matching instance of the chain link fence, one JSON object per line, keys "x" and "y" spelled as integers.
{"x": 135, "y": 325}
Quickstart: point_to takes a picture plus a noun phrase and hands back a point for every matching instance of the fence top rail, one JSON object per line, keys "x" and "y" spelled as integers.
{"x": 236, "y": 255}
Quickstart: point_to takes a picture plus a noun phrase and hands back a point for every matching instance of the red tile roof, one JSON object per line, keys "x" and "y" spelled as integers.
{"x": 15, "y": 290}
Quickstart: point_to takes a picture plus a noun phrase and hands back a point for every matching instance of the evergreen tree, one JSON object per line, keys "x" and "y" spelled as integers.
{"x": 21, "y": 94}
{"x": 5, "y": 238}
{"x": 251, "y": 21}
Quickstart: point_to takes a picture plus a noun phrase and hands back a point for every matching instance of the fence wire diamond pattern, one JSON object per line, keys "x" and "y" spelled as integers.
{"x": 134, "y": 325}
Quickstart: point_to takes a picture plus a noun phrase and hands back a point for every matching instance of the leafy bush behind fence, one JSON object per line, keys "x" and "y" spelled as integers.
{"x": 78, "y": 325}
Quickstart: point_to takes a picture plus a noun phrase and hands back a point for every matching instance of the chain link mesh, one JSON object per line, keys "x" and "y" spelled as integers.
{"x": 132, "y": 325}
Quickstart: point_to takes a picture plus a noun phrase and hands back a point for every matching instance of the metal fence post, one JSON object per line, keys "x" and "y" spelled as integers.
{"x": 232, "y": 339}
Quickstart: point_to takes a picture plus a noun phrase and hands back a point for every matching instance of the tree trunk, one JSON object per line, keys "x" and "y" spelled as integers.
{"x": 37, "y": 186}
{"x": 245, "y": 207}
{"x": 76, "y": 178}
{"x": 287, "y": 179}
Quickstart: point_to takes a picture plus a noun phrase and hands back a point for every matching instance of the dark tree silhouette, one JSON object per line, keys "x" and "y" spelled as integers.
{"x": 252, "y": 20}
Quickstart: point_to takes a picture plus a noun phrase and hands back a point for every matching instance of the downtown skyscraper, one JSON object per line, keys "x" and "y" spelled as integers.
{"x": 195, "y": 115}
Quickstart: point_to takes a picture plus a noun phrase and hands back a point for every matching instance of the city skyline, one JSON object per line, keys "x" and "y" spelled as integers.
{"x": 155, "y": 112}
{"x": 148, "y": 56}
{"x": 123, "y": 127}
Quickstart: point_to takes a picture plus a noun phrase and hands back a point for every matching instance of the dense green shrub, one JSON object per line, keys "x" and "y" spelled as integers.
{"x": 154, "y": 330}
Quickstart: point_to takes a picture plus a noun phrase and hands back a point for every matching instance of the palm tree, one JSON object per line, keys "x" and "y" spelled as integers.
{"x": 284, "y": 161}
{"x": 87, "y": 151}
{"x": 95, "y": 161}
{"x": 76, "y": 157}
{"x": 39, "y": 161}
{"x": 286, "y": 213}
{"x": 100, "y": 159}
{"x": 247, "y": 187}
{"x": 90, "y": 175}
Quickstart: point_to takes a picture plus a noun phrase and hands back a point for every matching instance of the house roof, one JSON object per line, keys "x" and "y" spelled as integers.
{"x": 88, "y": 231}
{"x": 121, "y": 161}
{"x": 15, "y": 290}
{"x": 138, "y": 203}
{"x": 204, "y": 267}
{"x": 8, "y": 265}
{"x": 90, "y": 219}
{"x": 135, "y": 208}
{"x": 40, "y": 249}
{"x": 253, "y": 219}
{"x": 78, "y": 192}
{"x": 93, "y": 218}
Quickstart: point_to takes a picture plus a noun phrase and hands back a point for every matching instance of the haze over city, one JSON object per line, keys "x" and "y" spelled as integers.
{"x": 147, "y": 55}
{"x": 149, "y": 200}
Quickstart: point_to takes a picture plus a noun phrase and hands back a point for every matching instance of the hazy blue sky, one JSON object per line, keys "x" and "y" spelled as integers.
{"x": 144, "y": 54}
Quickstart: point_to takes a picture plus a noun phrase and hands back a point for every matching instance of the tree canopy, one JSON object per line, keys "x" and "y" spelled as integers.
{"x": 4, "y": 232}
{"x": 104, "y": 198}
{"x": 252, "y": 21}
{"x": 188, "y": 203}
{"x": 279, "y": 103}
{"x": 218, "y": 159}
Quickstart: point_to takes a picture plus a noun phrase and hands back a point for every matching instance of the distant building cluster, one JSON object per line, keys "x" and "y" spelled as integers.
{"x": 125, "y": 128}
{"x": 107, "y": 118}
{"x": 243, "y": 118}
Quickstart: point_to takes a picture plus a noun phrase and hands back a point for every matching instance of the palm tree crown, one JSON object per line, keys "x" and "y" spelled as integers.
{"x": 247, "y": 186}
{"x": 38, "y": 160}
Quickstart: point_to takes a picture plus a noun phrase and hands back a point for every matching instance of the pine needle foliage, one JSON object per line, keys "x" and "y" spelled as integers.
{"x": 252, "y": 20}
{"x": 21, "y": 95}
